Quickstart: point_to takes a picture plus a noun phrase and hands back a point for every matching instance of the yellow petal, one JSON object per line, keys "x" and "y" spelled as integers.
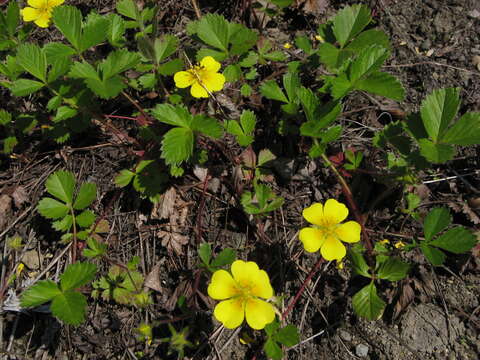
{"x": 311, "y": 238}
{"x": 259, "y": 313}
{"x": 262, "y": 287}
{"x": 30, "y": 14}
{"x": 39, "y": 4}
{"x": 198, "y": 91}
{"x": 314, "y": 214}
{"x": 209, "y": 64}
{"x": 183, "y": 79}
{"x": 222, "y": 286}
{"x": 349, "y": 231}
{"x": 333, "y": 249}
{"x": 53, "y": 3}
{"x": 244, "y": 272}
{"x": 44, "y": 20}
{"x": 334, "y": 212}
{"x": 230, "y": 313}
{"x": 213, "y": 81}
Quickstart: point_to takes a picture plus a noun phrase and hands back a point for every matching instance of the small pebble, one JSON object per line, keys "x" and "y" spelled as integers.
{"x": 361, "y": 350}
{"x": 345, "y": 335}
{"x": 474, "y": 14}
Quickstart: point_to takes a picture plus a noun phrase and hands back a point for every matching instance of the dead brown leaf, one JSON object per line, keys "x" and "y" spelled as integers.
{"x": 315, "y": 7}
{"x": 19, "y": 196}
{"x": 152, "y": 281}
{"x": 5, "y": 210}
{"x": 404, "y": 300}
{"x": 166, "y": 206}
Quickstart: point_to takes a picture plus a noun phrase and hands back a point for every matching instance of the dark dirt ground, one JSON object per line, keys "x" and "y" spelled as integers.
{"x": 434, "y": 315}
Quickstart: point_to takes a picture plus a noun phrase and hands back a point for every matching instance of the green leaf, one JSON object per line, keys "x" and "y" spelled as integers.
{"x": 435, "y": 222}
{"x": 61, "y": 185}
{"x": 177, "y": 145}
{"x": 124, "y": 178}
{"x": 288, "y": 335}
{"x": 457, "y": 240}
{"x": 207, "y": 126}
{"x": 435, "y": 256}
{"x": 85, "y": 219}
{"x": 329, "y": 55}
{"x": 69, "y": 307}
{"x": 248, "y": 121}
{"x": 367, "y": 304}
{"x": 304, "y": 43}
{"x": 282, "y": 3}
{"x": 369, "y": 38}
{"x": 40, "y": 293}
{"x": 225, "y": 257}
{"x": 68, "y": 19}
{"x": 94, "y": 32}
{"x": 9, "y": 143}
{"x": 393, "y": 269}
{"x": 349, "y": 22}
{"x": 23, "y": 87}
{"x": 291, "y": 83}
{"x": 369, "y": 60}
{"x": 241, "y": 38}
{"x": 116, "y": 29}
{"x": 173, "y": 115}
{"x": 320, "y": 119}
{"x": 382, "y": 84}
{"x": 310, "y": 103}
{"x": 12, "y": 17}
{"x": 64, "y": 113}
{"x": 94, "y": 249}
{"x": 77, "y": 275}
{"x": 436, "y": 153}
{"x": 86, "y": 195}
{"x": 232, "y": 72}
{"x": 63, "y": 225}
{"x": 216, "y": 54}
{"x": 466, "y": 131}
{"x": 213, "y": 30}
{"x": 128, "y": 8}
{"x": 108, "y": 88}
{"x": 438, "y": 110}
{"x": 117, "y": 62}
{"x": 272, "y": 350}
{"x": 249, "y": 60}
{"x": 165, "y": 47}
{"x": 147, "y": 81}
{"x": 83, "y": 70}
{"x": 272, "y": 91}
{"x": 52, "y": 209}
{"x": 170, "y": 67}
{"x": 341, "y": 86}
{"x": 33, "y": 60}
{"x": 205, "y": 253}
{"x": 359, "y": 263}
{"x": 246, "y": 90}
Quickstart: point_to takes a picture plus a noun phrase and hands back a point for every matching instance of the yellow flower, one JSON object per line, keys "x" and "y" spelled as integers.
{"x": 384, "y": 241}
{"x": 287, "y": 45}
{"x": 40, "y": 11}
{"x": 241, "y": 295}
{"x": 203, "y": 78}
{"x": 399, "y": 244}
{"x": 327, "y": 233}
{"x": 319, "y": 38}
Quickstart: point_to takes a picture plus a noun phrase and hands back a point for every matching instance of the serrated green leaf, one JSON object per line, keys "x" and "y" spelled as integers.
{"x": 5, "y": 117}
{"x": 304, "y": 43}
{"x": 435, "y": 222}
{"x": 86, "y": 195}
{"x": 23, "y": 87}
{"x": 9, "y": 143}
{"x": 69, "y": 307}
{"x": 40, "y": 293}
{"x": 33, "y": 60}
{"x": 341, "y": 86}
{"x": 216, "y": 54}
{"x": 369, "y": 61}
{"x": 382, "y": 84}
{"x": 248, "y": 121}
{"x": 436, "y": 153}
{"x": 77, "y": 275}
{"x": 349, "y": 22}
{"x": 148, "y": 81}
{"x": 435, "y": 256}
{"x": 275, "y": 56}
{"x": 234, "y": 128}
{"x": 466, "y": 131}
{"x": 241, "y": 38}
{"x": 329, "y": 55}
{"x": 124, "y": 178}
{"x": 207, "y": 126}
{"x": 170, "y": 67}
{"x": 116, "y": 29}
{"x": 94, "y": 32}
{"x": 320, "y": 119}
{"x": 457, "y": 240}
{"x": 309, "y": 102}
{"x": 232, "y": 73}
{"x": 61, "y": 185}
{"x": 287, "y": 336}
{"x": 438, "y": 110}
{"x": 249, "y": 60}
{"x": 108, "y": 88}
{"x": 225, "y": 257}
{"x": 85, "y": 219}
{"x": 205, "y": 253}
{"x": 60, "y": 66}
{"x": 63, "y": 225}
{"x": 12, "y": 17}
{"x": 128, "y": 8}
{"x": 95, "y": 248}
{"x": 246, "y": 90}
{"x": 272, "y": 350}
{"x": 177, "y": 145}
{"x": 393, "y": 269}
{"x": 68, "y": 19}
{"x": 117, "y": 62}
{"x": 291, "y": 83}
{"x": 367, "y": 304}
{"x": 213, "y": 30}
{"x": 272, "y": 91}
{"x": 83, "y": 70}
{"x": 164, "y": 47}
{"x": 52, "y": 209}
{"x": 173, "y": 115}
{"x": 64, "y": 113}
{"x": 369, "y": 38}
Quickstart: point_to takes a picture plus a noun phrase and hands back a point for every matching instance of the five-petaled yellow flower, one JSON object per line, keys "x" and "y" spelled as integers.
{"x": 203, "y": 78}
{"x": 327, "y": 232}
{"x": 241, "y": 292}
{"x": 40, "y": 11}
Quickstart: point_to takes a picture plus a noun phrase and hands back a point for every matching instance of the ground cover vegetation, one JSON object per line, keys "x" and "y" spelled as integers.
{"x": 221, "y": 96}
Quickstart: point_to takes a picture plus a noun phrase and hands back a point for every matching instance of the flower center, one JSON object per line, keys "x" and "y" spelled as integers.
{"x": 244, "y": 289}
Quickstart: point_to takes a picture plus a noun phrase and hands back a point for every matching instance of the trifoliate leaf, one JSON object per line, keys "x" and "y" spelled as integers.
{"x": 33, "y": 60}
{"x": 94, "y": 32}
{"x": 124, "y": 178}
{"x": 438, "y": 110}
{"x": 164, "y": 47}
{"x": 69, "y": 307}
{"x": 436, "y": 153}
{"x": 177, "y": 145}
{"x": 436, "y": 221}
{"x": 61, "y": 185}
{"x": 349, "y": 22}
{"x": 369, "y": 60}
{"x": 118, "y": 62}
{"x": 94, "y": 248}
{"x": 52, "y": 209}
{"x": 367, "y": 304}
{"x": 77, "y": 275}
{"x": 213, "y": 30}
{"x": 40, "y": 293}
{"x": 108, "y": 88}
{"x": 86, "y": 195}
{"x": 287, "y": 335}
{"x": 68, "y": 19}
{"x": 241, "y": 38}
